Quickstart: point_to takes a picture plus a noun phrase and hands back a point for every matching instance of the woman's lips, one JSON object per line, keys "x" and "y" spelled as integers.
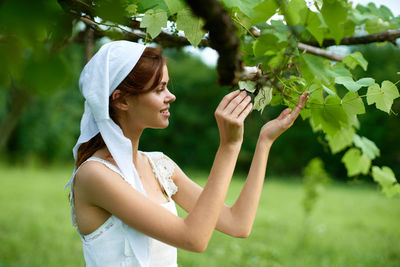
{"x": 165, "y": 113}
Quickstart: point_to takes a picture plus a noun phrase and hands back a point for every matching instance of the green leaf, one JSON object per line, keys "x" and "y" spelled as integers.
{"x": 367, "y": 146}
{"x": 191, "y": 25}
{"x": 331, "y": 116}
{"x": 296, "y": 12}
{"x": 387, "y": 180}
{"x": 341, "y": 139}
{"x": 175, "y": 6}
{"x": 364, "y": 82}
{"x": 263, "y": 11}
{"x": 353, "y": 104}
{"x": 144, "y": 5}
{"x": 316, "y": 26}
{"x": 263, "y": 98}
{"x": 334, "y": 13}
{"x": 329, "y": 91}
{"x": 382, "y": 96}
{"x": 313, "y": 69}
{"x": 131, "y": 9}
{"x": 154, "y": 21}
{"x": 276, "y": 100}
{"x": 264, "y": 43}
{"x": 246, "y": 6}
{"x": 348, "y": 82}
{"x": 377, "y": 25}
{"x": 355, "y": 59}
{"x": 356, "y": 162}
{"x": 249, "y": 86}
{"x": 353, "y": 86}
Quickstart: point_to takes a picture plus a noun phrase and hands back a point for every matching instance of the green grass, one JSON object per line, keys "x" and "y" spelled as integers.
{"x": 352, "y": 225}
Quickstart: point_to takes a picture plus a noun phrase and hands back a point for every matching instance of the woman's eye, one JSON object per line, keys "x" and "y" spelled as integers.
{"x": 160, "y": 90}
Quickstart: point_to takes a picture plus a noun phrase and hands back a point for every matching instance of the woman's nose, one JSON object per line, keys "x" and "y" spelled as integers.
{"x": 171, "y": 97}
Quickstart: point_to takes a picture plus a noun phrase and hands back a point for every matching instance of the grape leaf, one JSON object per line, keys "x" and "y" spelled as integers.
{"x": 386, "y": 179}
{"x": 353, "y": 86}
{"x": 263, "y": 98}
{"x": 367, "y": 146}
{"x": 246, "y": 6}
{"x": 382, "y": 96}
{"x": 356, "y": 162}
{"x": 265, "y": 43}
{"x": 366, "y": 82}
{"x": 145, "y": 5}
{"x": 376, "y": 25}
{"x": 175, "y": 6}
{"x": 249, "y": 86}
{"x": 296, "y": 12}
{"x": 131, "y": 9}
{"x": 316, "y": 26}
{"x": 334, "y": 13}
{"x": 154, "y": 21}
{"x": 191, "y": 25}
{"x": 331, "y": 116}
{"x": 339, "y": 70}
{"x": 329, "y": 91}
{"x": 355, "y": 59}
{"x": 353, "y": 104}
{"x": 341, "y": 139}
{"x": 263, "y": 11}
{"x": 313, "y": 68}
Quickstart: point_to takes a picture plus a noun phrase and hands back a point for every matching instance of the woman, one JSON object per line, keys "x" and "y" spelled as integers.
{"x": 123, "y": 200}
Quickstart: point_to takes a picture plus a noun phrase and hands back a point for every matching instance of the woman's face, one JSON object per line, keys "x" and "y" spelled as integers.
{"x": 151, "y": 109}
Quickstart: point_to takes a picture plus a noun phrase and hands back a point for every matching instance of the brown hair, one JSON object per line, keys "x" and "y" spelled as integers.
{"x": 149, "y": 65}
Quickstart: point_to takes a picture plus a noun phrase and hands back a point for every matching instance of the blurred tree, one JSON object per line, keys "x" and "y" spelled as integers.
{"x": 34, "y": 37}
{"x": 32, "y": 34}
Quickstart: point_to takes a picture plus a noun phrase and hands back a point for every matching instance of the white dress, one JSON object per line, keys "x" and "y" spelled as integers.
{"x": 109, "y": 245}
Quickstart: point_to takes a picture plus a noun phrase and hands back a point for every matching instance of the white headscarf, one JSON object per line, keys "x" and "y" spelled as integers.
{"x": 100, "y": 77}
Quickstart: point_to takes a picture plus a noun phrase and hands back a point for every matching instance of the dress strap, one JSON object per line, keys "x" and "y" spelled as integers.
{"x": 163, "y": 169}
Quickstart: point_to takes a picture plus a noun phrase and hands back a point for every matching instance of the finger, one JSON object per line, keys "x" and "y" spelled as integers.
{"x": 235, "y": 102}
{"x": 228, "y": 98}
{"x": 300, "y": 104}
{"x": 239, "y": 108}
{"x": 284, "y": 113}
{"x": 246, "y": 112}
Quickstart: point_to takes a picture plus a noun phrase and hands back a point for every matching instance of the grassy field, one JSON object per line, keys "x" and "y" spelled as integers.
{"x": 352, "y": 225}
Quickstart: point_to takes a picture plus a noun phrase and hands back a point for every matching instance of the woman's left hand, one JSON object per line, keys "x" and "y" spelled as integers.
{"x": 272, "y": 129}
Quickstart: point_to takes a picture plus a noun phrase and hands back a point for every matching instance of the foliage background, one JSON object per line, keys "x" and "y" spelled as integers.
{"x": 350, "y": 226}
{"x": 49, "y": 126}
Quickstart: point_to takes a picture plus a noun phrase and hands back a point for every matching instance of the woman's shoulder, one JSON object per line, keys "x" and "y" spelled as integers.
{"x": 95, "y": 169}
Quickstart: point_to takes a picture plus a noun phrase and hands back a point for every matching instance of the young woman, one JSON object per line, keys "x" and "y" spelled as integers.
{"x": 123, "y": 200}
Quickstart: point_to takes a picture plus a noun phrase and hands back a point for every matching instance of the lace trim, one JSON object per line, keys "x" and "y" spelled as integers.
{"x": 99, "y": 231}
{"x": 163, "y": 169}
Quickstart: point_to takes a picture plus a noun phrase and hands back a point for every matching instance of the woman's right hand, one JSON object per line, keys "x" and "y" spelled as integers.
{"x": 230, "y": 115}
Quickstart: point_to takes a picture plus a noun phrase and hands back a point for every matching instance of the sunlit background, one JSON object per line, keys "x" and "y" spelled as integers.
{"x": 347, "y": 223}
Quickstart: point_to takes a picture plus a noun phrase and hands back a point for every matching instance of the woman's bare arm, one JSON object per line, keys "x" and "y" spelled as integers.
{"x": 238, "y": 220}
{"x": 104, "y": 188}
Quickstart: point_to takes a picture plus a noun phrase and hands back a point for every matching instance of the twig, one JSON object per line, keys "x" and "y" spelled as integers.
{"x": 318, "y": 52}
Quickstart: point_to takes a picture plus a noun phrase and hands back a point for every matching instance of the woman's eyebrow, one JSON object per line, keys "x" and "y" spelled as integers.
{"x": 164, "y": 83}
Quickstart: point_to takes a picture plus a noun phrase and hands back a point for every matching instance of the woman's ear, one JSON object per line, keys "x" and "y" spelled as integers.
{"x": 119, "y": 100}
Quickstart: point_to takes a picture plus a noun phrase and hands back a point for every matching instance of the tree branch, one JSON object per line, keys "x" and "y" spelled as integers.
{"x": 318, "y": 52}
{"x": 308, "y": 49}
{"x": 76, "y": 7}
{"x": 390, "y": 36}
{"x": 222, "y": 38}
